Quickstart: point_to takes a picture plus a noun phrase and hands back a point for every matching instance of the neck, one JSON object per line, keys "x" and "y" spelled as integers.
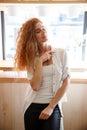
{"x": 44, "y": 48}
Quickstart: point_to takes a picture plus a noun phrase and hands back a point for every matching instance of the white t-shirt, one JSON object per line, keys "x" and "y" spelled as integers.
{"x": 45, "y": 93}
{"x": 60, "y": 72}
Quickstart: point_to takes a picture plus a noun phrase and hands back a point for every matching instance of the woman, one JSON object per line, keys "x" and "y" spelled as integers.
{"x": 48, "y": 76}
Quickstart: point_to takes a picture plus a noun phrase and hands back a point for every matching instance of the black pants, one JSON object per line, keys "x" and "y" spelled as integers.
{"x": 32, "y": 122}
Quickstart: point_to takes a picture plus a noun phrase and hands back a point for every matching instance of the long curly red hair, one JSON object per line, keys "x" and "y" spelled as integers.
{"x": 26, "y": 48}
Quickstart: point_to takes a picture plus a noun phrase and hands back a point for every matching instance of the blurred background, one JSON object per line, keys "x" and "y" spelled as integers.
{"x": 66, "y": 24}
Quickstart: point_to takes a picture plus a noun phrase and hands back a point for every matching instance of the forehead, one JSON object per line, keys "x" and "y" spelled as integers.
{"x": 38, "y": 25}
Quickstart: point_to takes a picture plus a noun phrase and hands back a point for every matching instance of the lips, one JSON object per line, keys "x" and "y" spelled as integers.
{"x": 44, "y": 37}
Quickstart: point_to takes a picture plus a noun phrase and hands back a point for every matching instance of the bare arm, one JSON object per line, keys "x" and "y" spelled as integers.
{"x": 61, "y": 91}
{"x": 36, "y": 80}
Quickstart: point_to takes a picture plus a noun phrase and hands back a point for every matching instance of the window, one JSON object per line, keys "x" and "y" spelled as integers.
{"x": 65, "y": 23}
{"x": 0, "y": 38}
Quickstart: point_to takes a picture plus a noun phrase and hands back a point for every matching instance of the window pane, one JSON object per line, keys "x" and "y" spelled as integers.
{"x": 0, "y": 39}
{"x": 65, "y": 28}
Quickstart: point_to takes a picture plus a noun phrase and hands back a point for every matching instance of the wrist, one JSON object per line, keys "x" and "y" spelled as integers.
{"x": 40, "y": 61}
{"x": 51, "y": 106}
{"x": 38, "y": 64}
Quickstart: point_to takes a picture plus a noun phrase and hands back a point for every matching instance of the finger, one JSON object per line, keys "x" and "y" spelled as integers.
{"x": 41, "y": 116}
{"x": 48, "y": 56}
{"x": 51, "y": 52}
{"x": 49, "y": 48}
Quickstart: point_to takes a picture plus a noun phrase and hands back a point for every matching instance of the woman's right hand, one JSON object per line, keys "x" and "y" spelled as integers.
{"x": 46, "y": 56}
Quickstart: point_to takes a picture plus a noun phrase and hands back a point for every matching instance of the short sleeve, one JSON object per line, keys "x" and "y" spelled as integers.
{"x": 65, "y": 63}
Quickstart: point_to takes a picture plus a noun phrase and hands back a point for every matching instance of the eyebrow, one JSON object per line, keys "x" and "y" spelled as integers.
{"x": 39, "y": 27}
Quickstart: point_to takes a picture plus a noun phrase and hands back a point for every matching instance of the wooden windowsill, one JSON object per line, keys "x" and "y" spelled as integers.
{"x": 7, "y": 74}
{"x": 21, "y": 77}
{"x": 8, "y": 65}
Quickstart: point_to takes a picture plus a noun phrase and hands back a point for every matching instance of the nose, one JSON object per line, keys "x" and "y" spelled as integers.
{"x": 43, "y": 31}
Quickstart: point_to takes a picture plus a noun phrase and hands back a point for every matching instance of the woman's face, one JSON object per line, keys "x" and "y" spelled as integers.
{"x": 40, "y": 33}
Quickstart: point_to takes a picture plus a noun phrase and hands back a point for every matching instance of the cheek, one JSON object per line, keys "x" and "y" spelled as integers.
{"x": 38, "y": 38}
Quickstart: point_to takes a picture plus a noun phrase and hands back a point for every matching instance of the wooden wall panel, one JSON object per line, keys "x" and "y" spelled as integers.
{"x": 11, "y": 105}
{"x": 75, "y": 110}
{"x": 43, "y": 1}
{"x": 12, "y": 100}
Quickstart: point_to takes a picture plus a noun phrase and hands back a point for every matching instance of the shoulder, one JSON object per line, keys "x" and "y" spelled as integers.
{"x": 60, "y": 51}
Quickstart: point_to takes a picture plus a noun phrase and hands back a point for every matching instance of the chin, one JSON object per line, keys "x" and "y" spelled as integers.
{"x": 46, "y": 40}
